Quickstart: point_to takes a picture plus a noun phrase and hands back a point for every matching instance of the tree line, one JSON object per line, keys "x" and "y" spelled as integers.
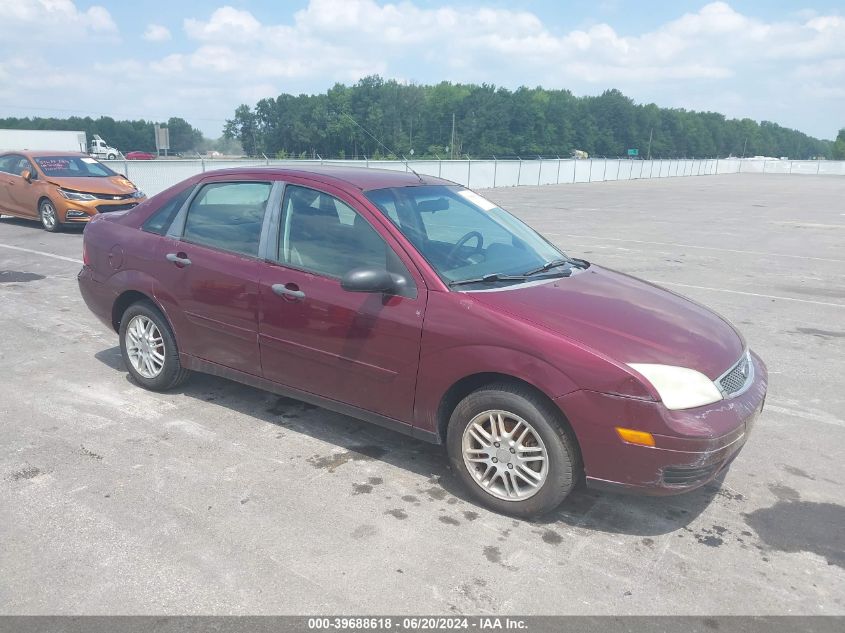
{"x": 375, "y": 118}
{"x": 127, "y": 136}
{"x": 417, "y": 120}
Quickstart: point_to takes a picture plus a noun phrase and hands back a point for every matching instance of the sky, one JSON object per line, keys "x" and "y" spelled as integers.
{"x": 766, "y": 59}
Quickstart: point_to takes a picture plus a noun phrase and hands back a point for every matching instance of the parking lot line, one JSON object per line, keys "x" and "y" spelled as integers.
{"x": 706, "y": 248}
{"x": 751, "y": 294}
{"x": 802, "y": 413}
{"x": 34, "y": 252}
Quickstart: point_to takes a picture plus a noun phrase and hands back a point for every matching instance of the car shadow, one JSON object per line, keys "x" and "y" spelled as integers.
{"x": 35, "y": 223}
{"x": 584, "y": 509}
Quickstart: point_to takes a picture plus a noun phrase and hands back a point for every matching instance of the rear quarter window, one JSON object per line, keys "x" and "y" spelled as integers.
{"x": 159, "y": 221}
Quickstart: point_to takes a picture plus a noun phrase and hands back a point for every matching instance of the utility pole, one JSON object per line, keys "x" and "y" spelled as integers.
{"x": 648, "y": 153}
{"x": 744, "y": 145}
{"x": 452, "y": 144}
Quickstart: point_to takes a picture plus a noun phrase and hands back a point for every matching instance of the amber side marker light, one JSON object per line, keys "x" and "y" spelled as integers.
{"x": 635, "y": 437}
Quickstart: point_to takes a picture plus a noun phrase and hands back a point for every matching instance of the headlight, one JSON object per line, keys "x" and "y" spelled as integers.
{"x": 138, "y": 194}
{"x": 679, "y": 387}
{"x": 75, "y": 195}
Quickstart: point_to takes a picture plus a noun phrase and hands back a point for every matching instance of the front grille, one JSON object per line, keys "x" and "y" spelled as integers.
{"x": 108, "y": 208}
{"x": 737, "y": 377}
{"x": 112, "y": 196}
{"x": 687, "y": 475}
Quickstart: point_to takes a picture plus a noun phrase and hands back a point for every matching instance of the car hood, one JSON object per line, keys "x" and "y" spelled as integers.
{"x": 626, "y": 319}
{"x": 110, "y": 185}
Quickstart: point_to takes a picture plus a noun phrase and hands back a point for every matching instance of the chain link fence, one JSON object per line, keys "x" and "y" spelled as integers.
{"x": 154, "y": 176}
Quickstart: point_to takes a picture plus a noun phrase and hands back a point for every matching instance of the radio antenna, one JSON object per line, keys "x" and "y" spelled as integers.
{"x": 389, "y": 151}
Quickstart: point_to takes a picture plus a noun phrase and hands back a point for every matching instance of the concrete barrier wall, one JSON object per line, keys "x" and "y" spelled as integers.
{"x": 154, "y": 176}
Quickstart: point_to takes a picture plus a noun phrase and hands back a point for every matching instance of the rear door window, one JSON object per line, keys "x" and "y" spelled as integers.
{"x": 6, "y": 163}
{"x": 228, "y": 216}
{"x": 14, "y": 164}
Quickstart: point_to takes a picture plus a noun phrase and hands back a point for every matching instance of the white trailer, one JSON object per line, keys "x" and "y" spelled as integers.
{"x": 59, "y": 140}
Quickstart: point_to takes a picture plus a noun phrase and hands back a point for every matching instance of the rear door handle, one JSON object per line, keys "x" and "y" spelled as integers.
{"x": 289, "y": 293}
{"x": 180, "y": 259}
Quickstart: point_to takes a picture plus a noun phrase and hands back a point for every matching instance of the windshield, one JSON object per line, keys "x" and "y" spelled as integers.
{"x": 464, "y": 236}
{"x": 73, "y": 167}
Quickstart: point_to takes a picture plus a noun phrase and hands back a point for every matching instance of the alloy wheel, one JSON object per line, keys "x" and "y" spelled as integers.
{"x": 48, "y": 215}
{"x": 145, "y": 346}
{"x": 505, "y": 455}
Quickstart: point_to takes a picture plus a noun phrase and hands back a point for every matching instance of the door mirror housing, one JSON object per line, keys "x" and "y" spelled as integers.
{"x": 26, "y": 175}
{"x": 369, "y": 280}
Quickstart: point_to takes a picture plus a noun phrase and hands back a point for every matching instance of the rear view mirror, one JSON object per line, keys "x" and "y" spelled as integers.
{"x": 368, "y": 280}
{"x": 26, "y": 175}
{"x": 430, "y": 206}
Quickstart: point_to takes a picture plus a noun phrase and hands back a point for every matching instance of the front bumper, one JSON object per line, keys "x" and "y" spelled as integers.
{"x": 77, "y": 212}
{"x": 691, "y": 446}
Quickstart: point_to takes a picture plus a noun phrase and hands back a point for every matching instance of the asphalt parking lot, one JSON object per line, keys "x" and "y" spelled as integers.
{"x": 218, "y": 498}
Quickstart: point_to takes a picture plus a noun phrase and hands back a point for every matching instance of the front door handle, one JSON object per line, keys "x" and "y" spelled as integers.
{"x": 180, "y": 259}
{"x": 288, "y": 291}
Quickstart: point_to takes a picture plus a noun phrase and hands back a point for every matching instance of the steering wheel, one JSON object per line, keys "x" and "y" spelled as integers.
{"x": 466, "y": 238}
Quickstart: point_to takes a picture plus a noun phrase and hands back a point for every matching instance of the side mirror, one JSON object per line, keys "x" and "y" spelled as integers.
{"x": 368, "y": 280}
{"x": 26, "y": 175}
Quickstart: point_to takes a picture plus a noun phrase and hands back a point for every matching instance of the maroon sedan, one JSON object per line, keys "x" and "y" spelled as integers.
{"x": 416, "y": 304}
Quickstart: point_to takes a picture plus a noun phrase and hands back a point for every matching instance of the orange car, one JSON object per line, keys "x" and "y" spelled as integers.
{"x": 61, "y": 188}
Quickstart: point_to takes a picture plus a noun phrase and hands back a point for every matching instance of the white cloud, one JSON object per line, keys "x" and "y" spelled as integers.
{"x": 225, "y": 23}
{"x": 342, "y": 34}
{"x": 18, "y": 17}
{"x": 716, "y": 57}
{"x": 157, "y": 33}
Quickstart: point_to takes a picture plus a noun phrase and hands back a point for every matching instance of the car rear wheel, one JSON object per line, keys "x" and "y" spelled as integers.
{"x": 149, "y": 348}
{"x": 49, "y": 216}
{"x": 512, "y": 450}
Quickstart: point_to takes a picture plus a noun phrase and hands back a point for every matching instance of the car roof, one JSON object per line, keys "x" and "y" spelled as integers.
{"x": 362, "y": 178}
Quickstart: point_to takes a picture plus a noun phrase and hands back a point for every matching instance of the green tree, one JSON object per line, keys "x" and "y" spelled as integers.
{"x": 183, "y": 137}
{"x": 244, "y": 127}
{"x": 839, "y": 146}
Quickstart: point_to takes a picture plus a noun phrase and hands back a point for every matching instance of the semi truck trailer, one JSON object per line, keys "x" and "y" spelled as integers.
{"x": 59, "y": 140}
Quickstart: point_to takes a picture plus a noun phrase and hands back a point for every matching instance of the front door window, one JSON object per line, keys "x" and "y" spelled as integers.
{"x": 324, "y": 235}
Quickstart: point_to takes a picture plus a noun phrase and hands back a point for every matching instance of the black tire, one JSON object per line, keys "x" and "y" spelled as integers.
{"x": 47, "y": 210}
{"x": 172, "y": 373}
{"x": 564, "y": 462}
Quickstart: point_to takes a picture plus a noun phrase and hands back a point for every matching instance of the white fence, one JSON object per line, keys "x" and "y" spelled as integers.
{"x": 154, "y": 176}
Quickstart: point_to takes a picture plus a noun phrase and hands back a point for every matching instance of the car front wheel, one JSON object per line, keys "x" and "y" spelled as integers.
{"x": 512, "y": 450}
{"x": 149, "y": 348}
{"x": 49, "y": 216}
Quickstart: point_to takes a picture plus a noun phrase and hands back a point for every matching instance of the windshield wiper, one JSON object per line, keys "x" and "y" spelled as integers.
{"x": 487, "y": 279}
{"x": 548, "y": 266}
{"x": 575, "y": 263}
